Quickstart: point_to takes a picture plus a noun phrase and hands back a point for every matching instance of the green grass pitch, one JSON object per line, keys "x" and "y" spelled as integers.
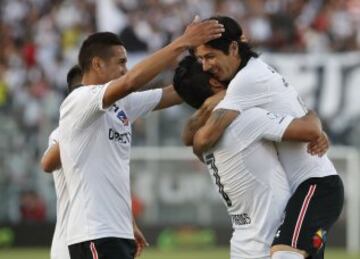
{"x": 216, "y": 253}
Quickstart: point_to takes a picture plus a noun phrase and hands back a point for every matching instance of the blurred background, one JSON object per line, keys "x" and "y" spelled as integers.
{"x": 315, "y": 44}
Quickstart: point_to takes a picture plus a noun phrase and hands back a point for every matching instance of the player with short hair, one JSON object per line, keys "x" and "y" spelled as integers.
{"x": 317, "y": 189}
{"x": 244, "y": 163}
{"x": 51, "y": 163}
{"x": 95, "y": 138}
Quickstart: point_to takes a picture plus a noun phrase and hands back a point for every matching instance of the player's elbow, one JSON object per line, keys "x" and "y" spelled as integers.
{"x": 46, "y": 165}
{"x": 188, "y": 141}
{"x": 202, "y": 140}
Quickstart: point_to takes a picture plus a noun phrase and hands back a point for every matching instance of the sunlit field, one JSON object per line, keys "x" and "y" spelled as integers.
{"x": 216, "y": 253}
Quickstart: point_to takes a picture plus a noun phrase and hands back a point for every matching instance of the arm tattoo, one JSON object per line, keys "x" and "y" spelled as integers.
{"x": 217, "y": 116}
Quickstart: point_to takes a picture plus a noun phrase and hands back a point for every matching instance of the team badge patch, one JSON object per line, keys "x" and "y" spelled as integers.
{"x": 319, "y": 239}
{"x": 122, "y": 117}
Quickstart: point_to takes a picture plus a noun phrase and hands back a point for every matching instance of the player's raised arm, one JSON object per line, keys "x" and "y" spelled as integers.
{"x": 194, "y": 35}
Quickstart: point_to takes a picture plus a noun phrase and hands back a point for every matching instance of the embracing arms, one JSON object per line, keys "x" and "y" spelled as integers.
{"x": 306, "y": 129}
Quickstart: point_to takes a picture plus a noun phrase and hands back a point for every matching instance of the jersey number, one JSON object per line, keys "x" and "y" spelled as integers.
{"x": 210, "y": 161}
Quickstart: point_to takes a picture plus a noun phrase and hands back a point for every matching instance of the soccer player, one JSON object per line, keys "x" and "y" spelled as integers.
{"x": 51, "y": 163}
{"x": 95, "y": 138}
{"x": 243, "y": 163}
{"x": 317, "y": 190}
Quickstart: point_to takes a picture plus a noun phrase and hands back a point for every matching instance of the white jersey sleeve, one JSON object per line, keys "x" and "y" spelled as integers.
{"x": 257, "y": 123}
{"x": 138, "y": 104}
{"x": 54, "y": 137}
{"x": 85, "y": 104}
{"x": 247, "y": 89}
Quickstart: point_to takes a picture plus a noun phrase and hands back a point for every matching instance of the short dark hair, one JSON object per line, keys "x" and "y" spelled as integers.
{"x": 191, "y": 83}
{"x": 97, "y": 45}
{"x": 233, "y": 32}
{"x": 73, "y": 78}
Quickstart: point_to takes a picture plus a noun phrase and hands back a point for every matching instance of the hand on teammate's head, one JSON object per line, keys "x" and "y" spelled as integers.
{"x": 198, "y": 33}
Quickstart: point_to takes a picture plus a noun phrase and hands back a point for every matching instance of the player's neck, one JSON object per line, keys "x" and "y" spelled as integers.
{"x": 91, "y": 79}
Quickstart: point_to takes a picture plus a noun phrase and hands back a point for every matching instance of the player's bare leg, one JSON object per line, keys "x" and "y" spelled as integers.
{"x": 288, "y": 252}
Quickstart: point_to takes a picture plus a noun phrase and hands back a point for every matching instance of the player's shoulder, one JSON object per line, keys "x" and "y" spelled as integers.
{"x": 252, "y": 74}
{"x": 81, "y": 93}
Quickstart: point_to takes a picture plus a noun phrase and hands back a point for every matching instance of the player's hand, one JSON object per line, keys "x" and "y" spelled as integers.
{"x": 198, "y": 33}
{"x": 212, "y": 101}
{"x": 140, "y": 240}
{"x": 320, "y": 146}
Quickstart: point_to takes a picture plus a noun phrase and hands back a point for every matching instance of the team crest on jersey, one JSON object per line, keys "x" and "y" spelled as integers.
{"x": 121, "y": 115}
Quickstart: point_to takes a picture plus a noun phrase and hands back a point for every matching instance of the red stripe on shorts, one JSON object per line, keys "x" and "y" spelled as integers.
{"x": 301, "y": 216}
{"x": 93, "y": 251}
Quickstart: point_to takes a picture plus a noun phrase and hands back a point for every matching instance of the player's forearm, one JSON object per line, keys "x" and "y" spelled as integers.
{"x": 307, "y": 128}
{"x": 169, "y": 98}
{"x": 197, "y": 120}
{"x": 203, "y": 141}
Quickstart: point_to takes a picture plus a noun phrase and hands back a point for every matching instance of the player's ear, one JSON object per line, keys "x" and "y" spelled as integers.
{"x": 97, "y": 63}
{"x": 216, "y": 84}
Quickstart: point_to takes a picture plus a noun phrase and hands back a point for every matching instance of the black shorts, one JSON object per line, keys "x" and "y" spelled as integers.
{"x": 104, "y": 248}
{"x": 310, "y": 212}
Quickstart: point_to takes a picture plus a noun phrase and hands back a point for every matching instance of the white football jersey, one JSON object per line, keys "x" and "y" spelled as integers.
{"x": 259, "y": 85}
{"x": 95, "y": 151}
{"x": 250, "y": 179}
{"x": 59, "y": 249}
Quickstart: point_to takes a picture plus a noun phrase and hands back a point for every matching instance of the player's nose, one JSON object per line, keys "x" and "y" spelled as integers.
{"x": 206, "y": 66}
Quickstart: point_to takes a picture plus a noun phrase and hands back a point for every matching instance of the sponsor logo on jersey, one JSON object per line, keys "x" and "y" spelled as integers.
{"x": 240, "y": 219}
{"x": 122, "y": 138}
{"x": 120, "y": 114}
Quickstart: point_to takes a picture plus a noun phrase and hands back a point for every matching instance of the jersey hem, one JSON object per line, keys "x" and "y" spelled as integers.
{"x": 81, "y": 239}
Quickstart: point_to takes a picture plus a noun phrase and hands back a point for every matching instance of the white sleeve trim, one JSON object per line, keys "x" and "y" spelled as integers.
{"x": 228, "y": 106}
{"x": 285, "y": 124}
{"x": 101, "y": 107}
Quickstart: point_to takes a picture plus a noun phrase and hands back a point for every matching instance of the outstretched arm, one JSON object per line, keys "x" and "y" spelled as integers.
{"x": 50, "y": 161}
{"x": 169, "y": 98}
{"x": 210, "y": 133}
{"x": 195, "y": 34}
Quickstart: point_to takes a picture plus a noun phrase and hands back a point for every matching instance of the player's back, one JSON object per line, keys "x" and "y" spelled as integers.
{"x": 257, "y": 84}
{"x": 252, "y": 183}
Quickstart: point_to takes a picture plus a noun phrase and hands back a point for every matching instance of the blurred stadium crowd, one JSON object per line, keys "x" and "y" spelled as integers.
{"x": 39, "y": 40}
